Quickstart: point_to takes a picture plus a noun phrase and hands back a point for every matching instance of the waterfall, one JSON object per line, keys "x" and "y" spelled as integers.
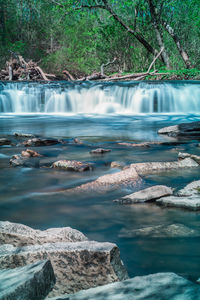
{"x": 100, "y": 98}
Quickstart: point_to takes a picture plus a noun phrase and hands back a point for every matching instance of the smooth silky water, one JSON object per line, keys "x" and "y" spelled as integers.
{"x": 101, "y": 115}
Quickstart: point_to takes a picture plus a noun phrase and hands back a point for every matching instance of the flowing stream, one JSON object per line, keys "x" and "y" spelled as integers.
{"x": 101, "y": 115}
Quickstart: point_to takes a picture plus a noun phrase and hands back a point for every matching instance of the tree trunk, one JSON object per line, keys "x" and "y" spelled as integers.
{"x": 182, "y": 52}
{"x": 158, "y": 33}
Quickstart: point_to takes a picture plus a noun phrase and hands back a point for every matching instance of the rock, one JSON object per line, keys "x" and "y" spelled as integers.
{"x": 21, "y": 235}
{"x": 72, "y": 165}
{"x": 182, "y": 155}
{"x": 33, "y": 281}
{"x": 153, "y": 167}
{"x": 184, "y": 129}
{"x": 190, "y": 189}
{"x": 77, "y": 141}
{"x": 99, "y": 151}
{"x": 77, "y": 265}
{"x": 117, "y": 164}
{"x": 118, "y": 177}
{"x": 20, "y": 134}
{"x": 41, "y": 142}
{"x": 149, "y": 194}
{"x": 188, "y": 198}
{"x": 30, "y": 153}
{"x": 19, "y": 161}
{"x": 146, "y": 145}
{"x": 4, "y": 141}
{"x": 160, "y": 286}
{"x": 160, "y": 231}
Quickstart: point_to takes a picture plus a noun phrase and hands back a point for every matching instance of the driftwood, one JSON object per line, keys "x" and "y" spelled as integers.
{"x": 18, "y": 69}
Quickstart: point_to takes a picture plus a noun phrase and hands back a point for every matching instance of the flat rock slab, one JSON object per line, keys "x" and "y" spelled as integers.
{"x": 191, "y": 189}
{"x": 188, "y": 197}
{"x": 182, "y": 155}
{"x": 161, "y": 286}
{"x": 77, "y": 266}
{"x": 192, "y": 203}
{"x": 184, "y": 129}
{"x": 154, "y": 167}
{"x": 160, "y": 231}
{"x": 23, "y": 135}
{"x": 32, "y": 282}
{"x": 21, "y": 235}
{"x": 148, "y": 194}
{"x": 72, "y": 165}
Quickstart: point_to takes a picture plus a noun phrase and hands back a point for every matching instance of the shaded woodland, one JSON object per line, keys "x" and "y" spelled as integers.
{"x": 100, "y": 36}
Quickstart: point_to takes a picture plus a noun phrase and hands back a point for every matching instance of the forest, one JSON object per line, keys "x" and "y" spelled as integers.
{"x": 81, "y": 36}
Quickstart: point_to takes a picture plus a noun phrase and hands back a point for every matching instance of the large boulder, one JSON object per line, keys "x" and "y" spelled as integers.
{"x": 31, "y": 282}
{"x": 77, "y": 266}
{"x": 184, "y": 129}
{"x": 148, "y": 194}
{"x": 182, "y": 155}
{"x": 161, "y": 231}
{"x": 160, "y": 286}
{"x": 21, "y": 235}
{"x": 188, "y": 198}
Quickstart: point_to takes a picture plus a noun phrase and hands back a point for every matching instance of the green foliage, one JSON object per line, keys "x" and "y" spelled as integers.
{"x": 80, "y": 40}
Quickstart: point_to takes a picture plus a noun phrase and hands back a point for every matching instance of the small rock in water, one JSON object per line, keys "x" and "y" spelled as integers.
{"x": 72, "y": 165}
{"x": 77, "y": 141}
{"x": 33, "y": 281}
{"x": 41, "y": 142}
{"x": 20, "y": 134}
{"x": 146, "y": 145}
{"x": 149, "y": 194}
{"x": 161, "y": 231}
{"x": 30, "y": 153}
{"x": 4, "y": 141}
{"x": 99, "y": 151}
{"x": 117, "y": 165}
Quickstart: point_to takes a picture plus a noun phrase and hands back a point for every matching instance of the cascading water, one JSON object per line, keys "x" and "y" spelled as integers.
{"x": 100, "y": 98}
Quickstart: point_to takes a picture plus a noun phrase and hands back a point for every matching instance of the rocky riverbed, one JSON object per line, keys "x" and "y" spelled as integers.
{"x": 159, "y": 182}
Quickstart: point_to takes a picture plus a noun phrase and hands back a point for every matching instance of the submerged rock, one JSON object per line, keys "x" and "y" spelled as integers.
{"x": 22, "y": 235}
{"x": 4, "y": 141}
{"x": 184, "y": 129}
{"x": 188, "y": 198}
{"x": 99, "y": 151}
{"x": 33, "y": 281}
{"x": 77, "y": 141}
{"x": 19, "y": 161}
{"x": 160, "y": 231}
{"x": 72, "y": 165}
{"x": 148, "y": 194}
{"x": 145, "y": 145}
{"x": 30, "y": 153}
{"x": 77, "y": 265}
{"x": 160, "y": 286}
{"x": 41, "y": 142}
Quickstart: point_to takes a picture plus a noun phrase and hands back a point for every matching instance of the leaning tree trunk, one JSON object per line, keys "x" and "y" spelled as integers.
{"x": 182, "y": 52}
{"x": 158, "y": 32}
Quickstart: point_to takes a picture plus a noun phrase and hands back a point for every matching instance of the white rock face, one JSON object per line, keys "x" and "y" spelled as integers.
{"x": 77, "y": 265}
{"x": 33, "y": 281}
{"x": 22, "y": 235}
{"x": 149, "y": 194}
{"x": 160, "y": 286}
